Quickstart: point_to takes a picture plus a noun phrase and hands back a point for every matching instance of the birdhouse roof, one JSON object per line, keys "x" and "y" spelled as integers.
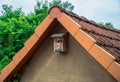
{"x": 58, "y": 35}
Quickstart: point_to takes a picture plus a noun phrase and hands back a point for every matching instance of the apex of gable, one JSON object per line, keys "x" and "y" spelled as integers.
{"x": 55, "y": 12}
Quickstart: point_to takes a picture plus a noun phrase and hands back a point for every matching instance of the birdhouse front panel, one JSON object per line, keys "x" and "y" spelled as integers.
{"x": 58, "y": 45}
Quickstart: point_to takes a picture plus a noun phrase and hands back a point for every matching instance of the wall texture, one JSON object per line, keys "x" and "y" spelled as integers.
{"x": 74, "y": 66}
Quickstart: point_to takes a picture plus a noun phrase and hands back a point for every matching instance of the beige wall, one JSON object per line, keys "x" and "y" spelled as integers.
{"x": 74, "y": 66}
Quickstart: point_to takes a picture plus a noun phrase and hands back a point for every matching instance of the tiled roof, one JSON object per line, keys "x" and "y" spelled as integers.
{"x": 107, "y": 38}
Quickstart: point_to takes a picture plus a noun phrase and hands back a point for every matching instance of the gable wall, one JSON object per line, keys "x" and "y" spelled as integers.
{"x": 74, "y": 66}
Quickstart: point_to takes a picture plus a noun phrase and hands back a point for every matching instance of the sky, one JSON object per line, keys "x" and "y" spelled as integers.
{"x": 97, "y": 10}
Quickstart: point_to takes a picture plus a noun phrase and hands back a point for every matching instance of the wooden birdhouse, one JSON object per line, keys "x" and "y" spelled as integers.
{"x": 60, "y": 41}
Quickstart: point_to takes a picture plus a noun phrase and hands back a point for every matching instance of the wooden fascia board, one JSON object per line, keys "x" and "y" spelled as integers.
{"x": 7, "y": 72}
{"x": 43, "y": 26}
{"x": 102, "y": 56}
{"x": 114, "y": 70}
{"x": 75, "y": 30}
{"x": 70, "y": 25}
{"x": 10, "y": 69}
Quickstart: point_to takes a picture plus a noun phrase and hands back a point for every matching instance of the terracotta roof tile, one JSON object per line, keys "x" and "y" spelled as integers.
{"x": 107, "y": 38}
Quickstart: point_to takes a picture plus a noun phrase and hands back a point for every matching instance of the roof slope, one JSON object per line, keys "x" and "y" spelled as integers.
{"x": 107, "y": 38}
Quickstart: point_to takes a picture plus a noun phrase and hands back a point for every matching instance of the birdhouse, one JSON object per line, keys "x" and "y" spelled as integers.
{"x": 60, "y": 41}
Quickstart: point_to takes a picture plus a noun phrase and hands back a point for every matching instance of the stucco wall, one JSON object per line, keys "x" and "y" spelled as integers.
{"x": 74, "y": 66}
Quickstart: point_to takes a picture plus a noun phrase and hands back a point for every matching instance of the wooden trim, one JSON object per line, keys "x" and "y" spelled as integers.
{"x": 71, "y": 26}
{"x": 84, "y": 39}
{"x": 31, "y": 41}
{"x": 20, "y": 55}
{"x": 7, "y": 72}
{"x": 103, "y": 57}
{"x": 0, "y": 77}
{"x": 114, "y": 70}
{"x": 43, "y": 26}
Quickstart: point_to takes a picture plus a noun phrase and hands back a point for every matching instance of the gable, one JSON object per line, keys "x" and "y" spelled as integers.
{"x": 107, "y": 60}
{"x": 76, "y": 65}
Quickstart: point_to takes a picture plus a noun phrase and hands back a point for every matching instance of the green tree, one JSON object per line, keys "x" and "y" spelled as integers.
{"x": 16, "y": 27}
{"x": 109, "y": 25}
{"x": 65, "y": 5}
{"x": 13, "y": 33}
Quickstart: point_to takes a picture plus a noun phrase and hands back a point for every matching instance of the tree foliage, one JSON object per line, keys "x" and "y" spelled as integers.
{"x": 65, "y": 5}
{"x": 107, "y": 24}
{"x": 16, "y": 27}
